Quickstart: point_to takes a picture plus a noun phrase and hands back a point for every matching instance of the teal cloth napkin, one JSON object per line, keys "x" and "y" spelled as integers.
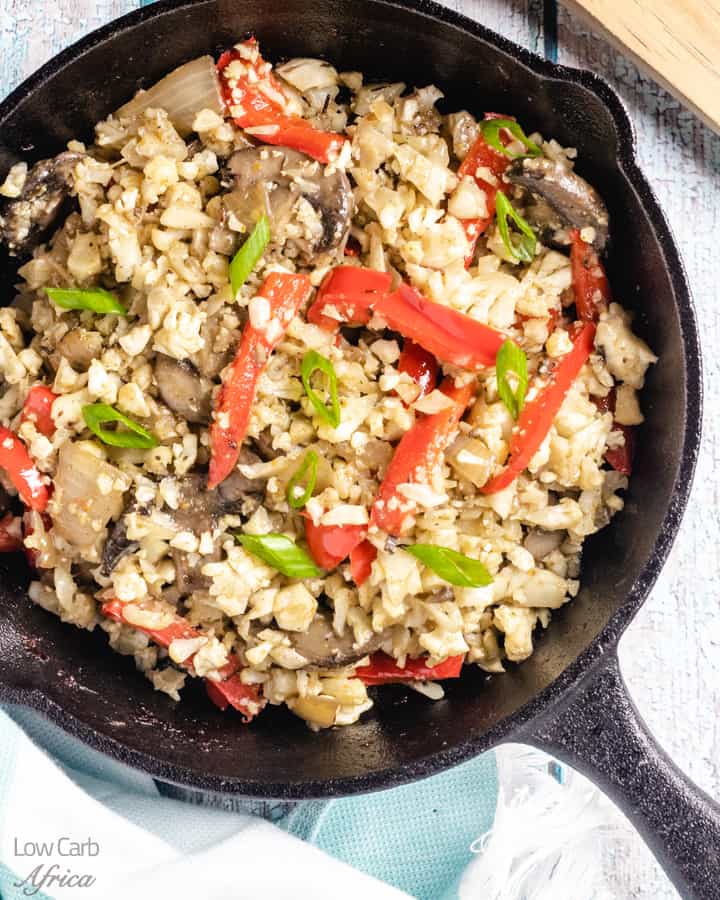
{"x": 416, "y": 837}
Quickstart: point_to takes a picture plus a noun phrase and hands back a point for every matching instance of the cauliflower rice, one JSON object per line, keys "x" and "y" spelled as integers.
{"x": 158, "y": 217}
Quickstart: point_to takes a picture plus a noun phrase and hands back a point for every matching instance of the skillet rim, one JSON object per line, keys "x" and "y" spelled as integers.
{"x": 604, "y": 644}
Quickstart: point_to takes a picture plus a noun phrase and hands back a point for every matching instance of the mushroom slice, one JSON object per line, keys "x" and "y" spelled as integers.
{"x": 188, "y": 570}
{"x": 263, "y": 444}
{"x": 25, "y": 219}
{"x": 183, "y": 389}
{"x": 199, "y": 509}
{"x": 541, "y": 543}
{"x": 117, "y": 545}
{"x": 324, "y": 649}
{"x": 271, "y": 180}
{"x": 80, "y": 348}
{"x": 210, "y": 361}
{"x": 235, "y": 488}
{"x": 577, "y": 203}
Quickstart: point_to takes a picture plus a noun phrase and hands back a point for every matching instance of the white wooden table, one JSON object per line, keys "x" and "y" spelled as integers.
{"x": 671, "y": 652}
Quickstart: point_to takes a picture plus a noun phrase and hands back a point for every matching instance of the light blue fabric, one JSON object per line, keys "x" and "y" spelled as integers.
{"x": 416, "y": 837}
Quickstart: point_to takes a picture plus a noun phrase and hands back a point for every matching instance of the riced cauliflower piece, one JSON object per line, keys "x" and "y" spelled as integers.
{"x": 627, "y": 355}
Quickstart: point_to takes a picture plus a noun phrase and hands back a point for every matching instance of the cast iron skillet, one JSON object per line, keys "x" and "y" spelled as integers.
{"x": 569, "y": 698}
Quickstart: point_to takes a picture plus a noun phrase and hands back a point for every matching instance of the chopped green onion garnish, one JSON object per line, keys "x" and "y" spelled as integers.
{"x": 309, "y": 466}
{"x": 491, "y": 129}
{"x": 510, "y": 358}
{"x": 96, "y": 415}
{"x": 278, "y": 551}
{"x": 523, "y": 250}
{"x": 96, "y": 299}
{"x": 248, "y": 255}
{"x": 451, "y": 566}
{"x": 314, "y": 362}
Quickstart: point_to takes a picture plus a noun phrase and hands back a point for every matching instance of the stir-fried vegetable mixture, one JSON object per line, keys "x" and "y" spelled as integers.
{"x": 315, "y": 388}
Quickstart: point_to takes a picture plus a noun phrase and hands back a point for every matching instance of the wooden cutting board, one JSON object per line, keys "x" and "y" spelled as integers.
{"x": 677, "y": 40}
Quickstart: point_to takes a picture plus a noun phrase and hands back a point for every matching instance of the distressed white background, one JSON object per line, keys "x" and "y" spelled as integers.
{"x": 671, "y": 652}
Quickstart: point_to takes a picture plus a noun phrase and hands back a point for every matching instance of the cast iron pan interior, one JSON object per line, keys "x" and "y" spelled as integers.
{"x": 97, "y": 695}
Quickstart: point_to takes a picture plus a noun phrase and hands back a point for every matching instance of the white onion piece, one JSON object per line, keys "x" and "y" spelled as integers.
{"x": 182, "y": 94}
{"x": 81, "y": 509}
{"x": 306, "y": 74}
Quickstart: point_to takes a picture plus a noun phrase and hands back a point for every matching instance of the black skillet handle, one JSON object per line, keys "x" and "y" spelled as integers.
{"x": 601, "y": 733}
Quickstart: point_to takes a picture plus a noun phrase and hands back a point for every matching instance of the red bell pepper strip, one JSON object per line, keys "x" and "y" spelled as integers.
{"x": 38, "y": 409}
{"x": 10, "y": 534}
{"x": 179, "y": 629}
{"x": 449, "y": 335}
{"x": 538, "y": 414}
{"x": 590, "y": 284}
{"x": 417, "y": 457}
{"x": 351, "y": 293}
{"x": 285, "y": 295}
{"x": 234, "y": 692}
{"x": 482, "y": 155}
{"x": 329, "y": 545}
{"x": 22, "y": 471}
{"x": 255, "y": 100}
{"x": 230, "y": 691}
{"x": 361, "y": 559}
{"x": 420, "y": 365}
{"x": 620, "y": 458}
{"x": 383, "y": 669}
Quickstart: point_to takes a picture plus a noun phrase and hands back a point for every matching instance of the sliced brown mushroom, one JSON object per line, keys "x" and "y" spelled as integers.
{"x": 263, "y": 445}
{"x": 198, "y": 511}
{"x": 80, "y": 347}
{"x": 209, "y": 360}
{"x": 117, "y": 544}
{"x": 271, "y": 180}
{"x": 540, "y": 543}
{"x": 25, "y": 219}
{"x": 576, "y": 203}
{"x": 235, "y": 488}
{"x": 188, "y": 570}
{"x": 323, "y": 648}
{"x": 184, "y": 389}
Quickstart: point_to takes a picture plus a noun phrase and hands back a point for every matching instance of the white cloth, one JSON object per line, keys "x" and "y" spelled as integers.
{"x": 205, "y": 853}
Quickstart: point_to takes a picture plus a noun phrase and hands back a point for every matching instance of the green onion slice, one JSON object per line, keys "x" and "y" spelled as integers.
{"x": 96, "y": 299}
{"x": 278, "y": 551}
{"x": 308, "y": 468}
{"x": 451, "y": 566}
{"x": 510, "y": 358}
{"x": 248, "y": 255}
{"x": 314, "y": 362}
{"x": 523, "y": 249}
{"x": 491, "y": 129}
{"x": 96, "y": 415}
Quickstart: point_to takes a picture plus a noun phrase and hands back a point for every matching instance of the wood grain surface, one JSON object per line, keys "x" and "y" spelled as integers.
{"x": 670, "y": 655}
{"x": 677, "y": 40}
